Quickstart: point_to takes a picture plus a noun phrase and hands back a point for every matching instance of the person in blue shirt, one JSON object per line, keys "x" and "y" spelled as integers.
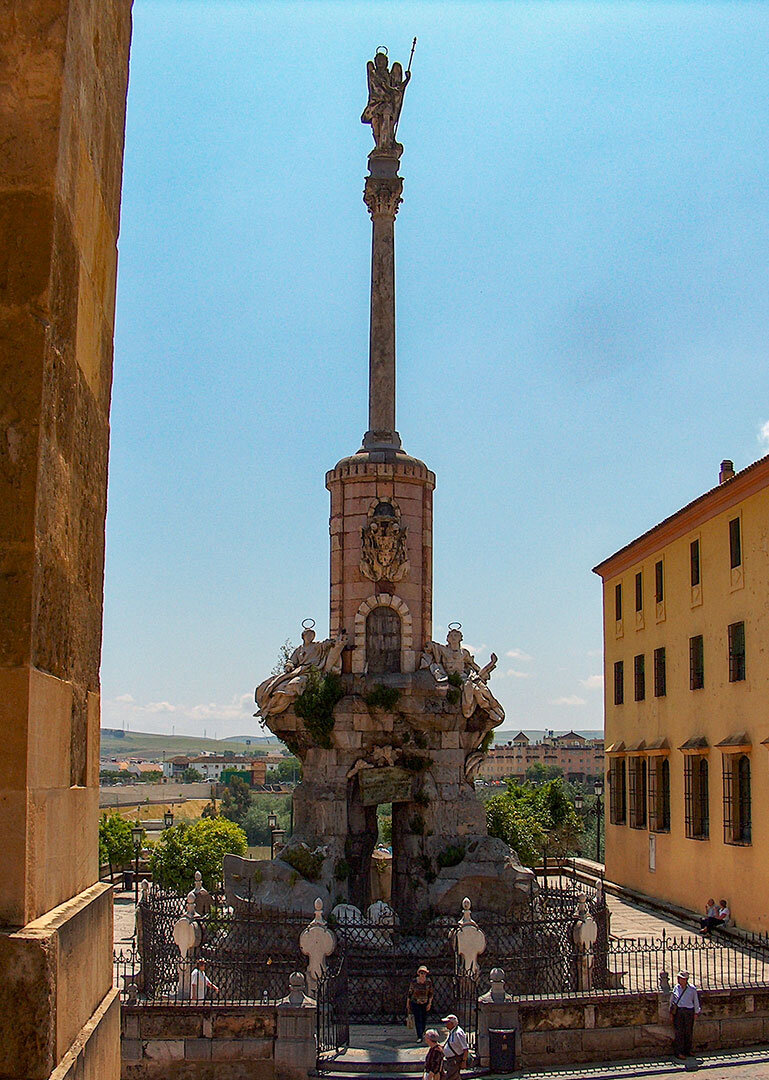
{"x": 684, "y": 1006}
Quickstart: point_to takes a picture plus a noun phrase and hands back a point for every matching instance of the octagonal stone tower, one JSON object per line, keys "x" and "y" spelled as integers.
{"x": 378, "y": 712}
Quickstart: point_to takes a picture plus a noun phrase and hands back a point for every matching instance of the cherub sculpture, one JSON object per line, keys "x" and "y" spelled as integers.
{"x": 274, "y": 695}
{"x": 452, "y": 659}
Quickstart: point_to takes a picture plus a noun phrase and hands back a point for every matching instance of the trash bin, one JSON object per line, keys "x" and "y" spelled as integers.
{"x": 128, "y": 880}
{"x": 501, "y": 1051}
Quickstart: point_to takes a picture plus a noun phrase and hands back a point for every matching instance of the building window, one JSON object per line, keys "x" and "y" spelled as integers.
{"x": 618, "y": 602}
{"x": 735, "y": 542}
{"x": 639, "y": 591}
{"x": 617, "y": 791}
{"x": 737, "y": 810}
{"x": 637, "y": 776}
{"x": 619, "y": 682}
{"x": 696, "y": 663}
{"x": 660, "y": 686}
{"x": 737, "y": 652}
{"x": 694, "y": 561}
{"x": 659, "y": 583}
{"x": 659, "y": 794}
{"x": 639, "y": 677}
{"x": 696, "y": 797}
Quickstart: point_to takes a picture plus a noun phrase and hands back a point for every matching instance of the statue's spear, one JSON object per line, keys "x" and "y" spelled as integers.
{"x": 408, "y": 76}
{"x": 411, "y": 57}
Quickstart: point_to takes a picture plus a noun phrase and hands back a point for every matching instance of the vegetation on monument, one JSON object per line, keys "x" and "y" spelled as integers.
{"x": 116, "y": 846}
{"x": 315, "y": 705}
{"x": 184, "y": 848}
{"x": 305, "y": 862}
{"x": 382, "y": 697}
{"x": 534, "y": 819}
{"x": 452, "y": 855}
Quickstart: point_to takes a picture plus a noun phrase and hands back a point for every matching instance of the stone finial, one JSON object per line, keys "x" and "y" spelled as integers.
{"x": 497, "y": 992}
{"x": 198, "y": 881}
{"x": 132, "y": 994}
{"x": 190, "y": 905}
{"x": 469, "y": 941}
{"x": 296, "y": 995}
{"x": 664, "y": 982}
{"x": 145, "y": 891}
{"x": 317, "y": 943}
{"x": 203, "y": 899}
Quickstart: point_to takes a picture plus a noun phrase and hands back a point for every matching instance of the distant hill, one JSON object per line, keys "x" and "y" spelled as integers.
{"x": 116, "y": 743}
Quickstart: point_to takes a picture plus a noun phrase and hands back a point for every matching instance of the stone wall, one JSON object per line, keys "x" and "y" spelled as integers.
{"x": 585, "y": 1029}
{"x": 214, "y": 1042}
{"x": 62, "y": 115}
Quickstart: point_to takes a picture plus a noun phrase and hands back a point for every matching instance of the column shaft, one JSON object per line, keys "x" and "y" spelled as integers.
{"x": 381, "y": 410}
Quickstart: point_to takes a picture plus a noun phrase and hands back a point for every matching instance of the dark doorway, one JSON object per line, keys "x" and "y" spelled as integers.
{"x": 383, "y": 641}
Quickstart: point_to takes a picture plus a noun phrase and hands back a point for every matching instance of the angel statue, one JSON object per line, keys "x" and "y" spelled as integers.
{"x": 274, "y": 695}
{"x": 385, "y": 100}
{"x": 452, "y": 659}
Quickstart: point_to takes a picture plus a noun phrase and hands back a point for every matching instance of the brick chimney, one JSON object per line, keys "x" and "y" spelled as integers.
{"x": 727, "y": 471}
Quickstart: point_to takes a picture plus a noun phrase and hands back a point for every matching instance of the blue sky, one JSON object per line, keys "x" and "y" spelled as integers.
{"x": 583, "y": 306}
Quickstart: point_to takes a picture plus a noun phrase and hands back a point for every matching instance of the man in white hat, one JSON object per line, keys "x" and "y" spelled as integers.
{"x": 684, "y": 1006}
{"x": 455, "y": 1049}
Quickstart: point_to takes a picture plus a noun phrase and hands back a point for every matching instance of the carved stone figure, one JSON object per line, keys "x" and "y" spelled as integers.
{"x": 383, "y": 544}
{"x": 386, "y": 87}
{"x": 275, "y": 694}
{"x": 452, "y": 659}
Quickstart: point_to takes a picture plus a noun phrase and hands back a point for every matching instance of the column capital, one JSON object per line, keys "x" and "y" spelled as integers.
{"x": 382, "y": 196}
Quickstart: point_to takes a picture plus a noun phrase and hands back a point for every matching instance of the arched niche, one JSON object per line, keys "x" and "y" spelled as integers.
{"x": 394, "y": 606}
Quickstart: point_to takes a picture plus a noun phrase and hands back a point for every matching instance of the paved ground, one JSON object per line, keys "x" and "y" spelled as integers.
{"x": 124, "y": 920}
{"x": 724, "y": 1065}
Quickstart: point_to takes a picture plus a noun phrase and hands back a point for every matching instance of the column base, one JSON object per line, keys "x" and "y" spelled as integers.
{"x": 381, "y": 440}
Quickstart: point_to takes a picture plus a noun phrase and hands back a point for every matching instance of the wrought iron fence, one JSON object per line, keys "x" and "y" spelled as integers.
{"x": 332, "y": 1017}
{"x": 634, "y": 965}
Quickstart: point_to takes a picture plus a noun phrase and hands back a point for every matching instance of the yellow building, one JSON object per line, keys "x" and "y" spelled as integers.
{"x": 686, "y": 664}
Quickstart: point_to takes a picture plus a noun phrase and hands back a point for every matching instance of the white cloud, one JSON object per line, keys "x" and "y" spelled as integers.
{"x": 763, "y": 434}
{"x": 592, "y": 682}
{"x": 518, "y": 674}
{"x": 473, "y": 648}
{"x": 517, "y": 654}
{"x": 572, "y": 699}
{"x": 127, "y": 699}
{"x": 160, "y": 706}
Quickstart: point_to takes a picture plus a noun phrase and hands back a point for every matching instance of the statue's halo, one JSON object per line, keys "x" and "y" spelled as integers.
{"x": 308, "y": 624}
{"x": 382, "y": 49}
{"x": 455, "y": 626}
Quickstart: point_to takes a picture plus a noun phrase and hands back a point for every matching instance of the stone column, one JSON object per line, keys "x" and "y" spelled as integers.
{"x": 62, "y": 115}
{"x": 382, "y": 196}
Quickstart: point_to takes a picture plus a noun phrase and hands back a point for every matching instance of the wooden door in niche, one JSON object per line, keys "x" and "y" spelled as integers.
{"x": 383, "y": 641}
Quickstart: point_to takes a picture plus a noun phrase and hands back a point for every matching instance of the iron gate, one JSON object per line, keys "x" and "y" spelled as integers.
{"x": 332, "y": 1015}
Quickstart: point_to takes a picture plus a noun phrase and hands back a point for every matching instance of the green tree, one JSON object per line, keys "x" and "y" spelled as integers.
{"x": 532, "y": 818}
{"x": 185, "y": 848}
{"x": 192, "y": 776}
{"x": 236, "y": 800}
{"x": 116, "y": 845}
{"x": 538, "y": 772}
{"x": 255, "y": 821}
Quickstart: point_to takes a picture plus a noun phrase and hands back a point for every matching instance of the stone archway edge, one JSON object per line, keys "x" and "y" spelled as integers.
{"x": 398, "y": 605}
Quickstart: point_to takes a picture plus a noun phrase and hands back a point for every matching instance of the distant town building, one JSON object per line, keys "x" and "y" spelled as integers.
{"x": 213, "y": 766}
{"x": 578, "y": 758}
{"x": 686, "y": 621}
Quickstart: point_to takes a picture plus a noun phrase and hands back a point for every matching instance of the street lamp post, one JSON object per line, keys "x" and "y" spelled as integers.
{"x": 598, "y": 791}
{"x": 136, "y": 836}
{"x": 168, "y": 819}
{"x": 272, "y": 824}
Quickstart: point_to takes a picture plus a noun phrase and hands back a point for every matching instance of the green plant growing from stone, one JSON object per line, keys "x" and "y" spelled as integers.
{"x": 315, "y": 705}
{"x": 382, "y": 697}
{"x": 341, "y": 869}
{"x": 451, "y": 855}
{"x": 421, "y": 798}
{"x": 417, "y": 825}
{"x": 420, "y": 740}
{"x": 307, "y": 863}
{"x": 486, "y": 742}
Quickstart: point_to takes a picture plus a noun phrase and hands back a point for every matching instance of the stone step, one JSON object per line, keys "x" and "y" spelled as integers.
{"x": 379, "y": 1070}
